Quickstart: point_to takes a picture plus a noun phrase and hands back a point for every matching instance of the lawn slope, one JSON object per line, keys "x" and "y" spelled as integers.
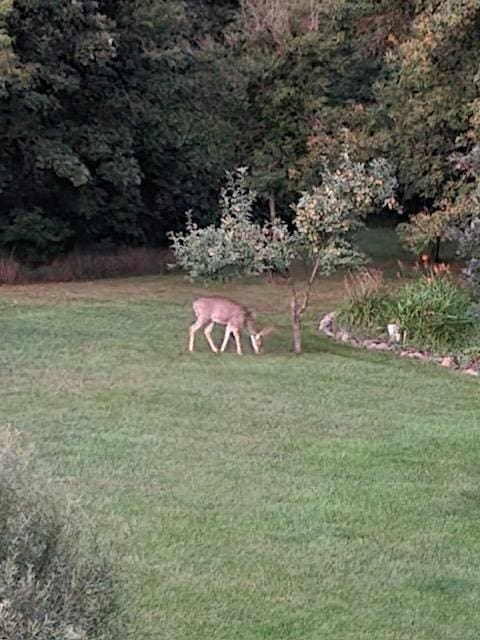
{"x": 332, "y": 496}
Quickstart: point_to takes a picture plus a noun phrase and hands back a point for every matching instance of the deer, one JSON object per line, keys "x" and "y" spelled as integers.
{"x": 234, "y": 316}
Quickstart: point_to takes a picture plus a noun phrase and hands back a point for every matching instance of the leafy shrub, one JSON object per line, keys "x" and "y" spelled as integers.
{"x": 368, "y": 304}
{"x": 238, "y": 246}
{"x": 435, "y": 313}
{"x": 55, "y": 584}
{"x": 33, "y": 235}
{"x": 425, "y": 229}
{"x": 470, "y": 355}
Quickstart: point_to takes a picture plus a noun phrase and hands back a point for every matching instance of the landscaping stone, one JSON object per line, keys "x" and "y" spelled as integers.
{"x": 380, "y": 346}
{"x": 418, "y": 355}
{"x": 369, "y": 344}
{"x": 326, "y": 326}
{"x": 449, "y": 362}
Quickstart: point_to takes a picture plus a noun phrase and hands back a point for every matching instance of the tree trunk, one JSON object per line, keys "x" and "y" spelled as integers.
{"x": 297, "y": 308}
{"x": 296, "y": 313}
{"x": 437, "y": 250}
{"x": 297, "y": 329}
{"x": 272, "y": 207}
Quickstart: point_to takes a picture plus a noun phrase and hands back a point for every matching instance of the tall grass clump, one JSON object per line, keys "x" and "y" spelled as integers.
{"x": 435, "y": 313}
{"x": 55, "y": 581}
{"x": 368, "y": 302}
{"x": 10, "y": 270}
{"x": 125, "y": 262}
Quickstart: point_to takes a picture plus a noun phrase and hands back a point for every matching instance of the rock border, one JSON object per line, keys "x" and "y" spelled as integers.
{"x": 328, "y": 328}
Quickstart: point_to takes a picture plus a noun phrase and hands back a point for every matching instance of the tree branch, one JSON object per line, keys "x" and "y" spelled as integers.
{"x": 308, "y": 288}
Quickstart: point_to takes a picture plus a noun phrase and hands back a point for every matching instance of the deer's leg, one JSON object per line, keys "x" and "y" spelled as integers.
{"x": 225, "y": 338}
{"x": 208, "y": 335}
{"x": 236, "y": 335}
{"x": 198, "y": 324}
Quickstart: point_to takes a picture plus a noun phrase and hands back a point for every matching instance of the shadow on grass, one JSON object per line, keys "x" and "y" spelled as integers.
{"x": 322, "y": 345}
{"x": 317, "y": 344}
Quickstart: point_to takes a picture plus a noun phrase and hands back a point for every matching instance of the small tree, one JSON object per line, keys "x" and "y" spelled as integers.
{"x": 468, "y": 238}
{"x": 328, "y": 217}
{"x": 325, "y": 219}
{"x": 465, "y": 228}
{"x": 427, "y": 230}
{"x": 453, "y": 214}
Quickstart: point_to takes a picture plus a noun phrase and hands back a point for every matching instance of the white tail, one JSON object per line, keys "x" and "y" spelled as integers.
{"x": 234, "y": 316}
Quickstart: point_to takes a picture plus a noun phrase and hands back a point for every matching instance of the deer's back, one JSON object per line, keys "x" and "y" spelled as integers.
{"x": 220, "y": 310}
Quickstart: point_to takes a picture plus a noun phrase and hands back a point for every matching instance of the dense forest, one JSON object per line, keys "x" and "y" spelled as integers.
{"x": 119, "y": 116}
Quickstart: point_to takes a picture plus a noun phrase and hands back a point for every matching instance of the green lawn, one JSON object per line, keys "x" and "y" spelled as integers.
{"x": 334, "y": 496}
{"x": 382, "y": 245}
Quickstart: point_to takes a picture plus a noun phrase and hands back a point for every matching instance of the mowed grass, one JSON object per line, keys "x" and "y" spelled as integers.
{"x": 334, "y": 496}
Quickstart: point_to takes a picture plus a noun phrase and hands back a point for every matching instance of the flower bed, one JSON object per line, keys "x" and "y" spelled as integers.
{"x": 327, "y": 326}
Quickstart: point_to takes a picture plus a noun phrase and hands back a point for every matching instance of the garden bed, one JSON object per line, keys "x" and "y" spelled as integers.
{"x": 328, "y": 327}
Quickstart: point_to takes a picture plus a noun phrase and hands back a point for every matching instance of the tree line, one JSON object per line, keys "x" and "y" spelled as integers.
{"x": 119, "y": 116}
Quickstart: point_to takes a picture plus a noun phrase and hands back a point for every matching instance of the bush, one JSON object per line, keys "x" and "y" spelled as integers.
{"x": 238, "y": 246}
{"x": 435, "y": 313}
{"x": 368, "y": 304}
{"x": 55, "y": 583}
{"x": 34, "y": 236}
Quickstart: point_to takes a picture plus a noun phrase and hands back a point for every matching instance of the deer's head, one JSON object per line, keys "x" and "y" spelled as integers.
{"x": 256, "y": 338}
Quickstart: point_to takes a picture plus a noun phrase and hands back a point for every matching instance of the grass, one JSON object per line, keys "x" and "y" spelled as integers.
{"x": 331, "y": 496}
{"x": 382, "y": 245}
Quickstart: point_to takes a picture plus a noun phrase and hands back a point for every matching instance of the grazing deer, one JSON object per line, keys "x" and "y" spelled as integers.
{"x": 234, "y": 316}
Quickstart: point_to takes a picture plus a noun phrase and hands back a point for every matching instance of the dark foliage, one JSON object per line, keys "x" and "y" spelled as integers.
{"x": 117, "y": 116}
